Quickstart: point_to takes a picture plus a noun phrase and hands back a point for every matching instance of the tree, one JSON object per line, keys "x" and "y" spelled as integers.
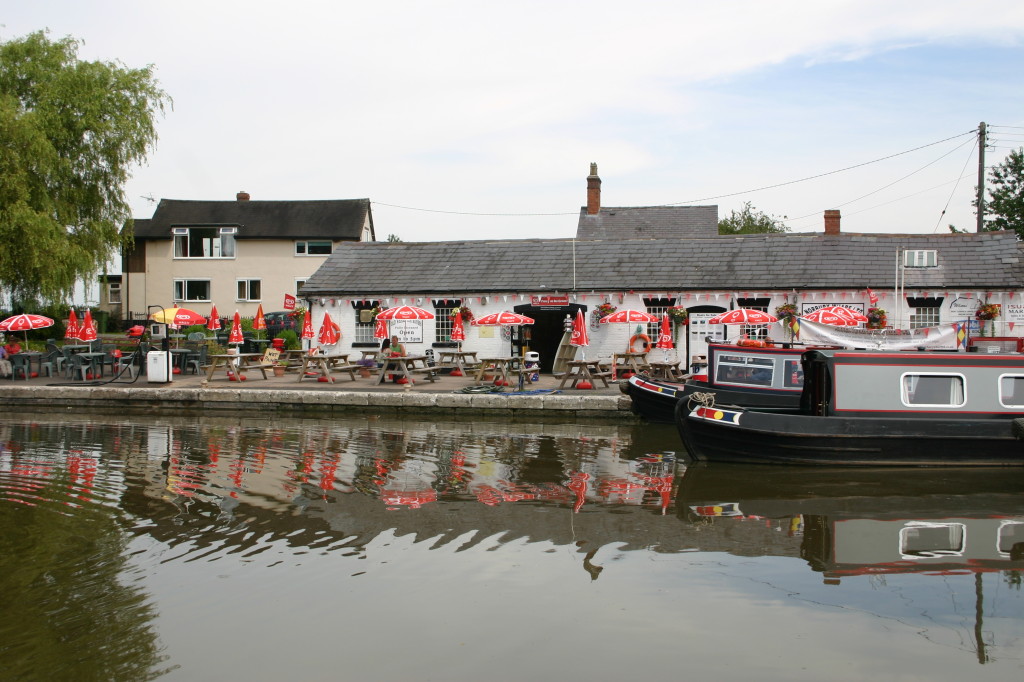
{"x": 751, "y": 221}
{"x": 1006, "y": 194}
{"x": 393, "y": 238}
{"x": 69, "y": 132}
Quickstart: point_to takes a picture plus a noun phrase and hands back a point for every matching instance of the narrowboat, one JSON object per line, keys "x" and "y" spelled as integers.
{"x": 763, "y": 377}
{"x": 870, "y": 408}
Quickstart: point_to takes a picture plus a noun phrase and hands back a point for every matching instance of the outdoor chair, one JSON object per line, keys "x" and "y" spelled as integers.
{"x": 126, "y": 363}
{"x": 55, "y": 356}
{"x": 20, "y": 364}
{"x": 79, "y": 365}
{"x": 198, "y": 360}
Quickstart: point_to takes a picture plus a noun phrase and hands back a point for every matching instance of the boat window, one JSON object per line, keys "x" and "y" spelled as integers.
{"x": 794, "y": 374}
{"x": 922, "y": 540}
{"x": 1011, "y": 390}
{"x": 1011, "y": 539}
{"x": 934, "y": 390}
{"x": 745, "y": 371}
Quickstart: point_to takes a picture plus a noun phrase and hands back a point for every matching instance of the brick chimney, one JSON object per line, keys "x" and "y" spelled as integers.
{"x": 593, "y": 191}
{"x": 242, "y": 196}
{"x": 832, "y": 221}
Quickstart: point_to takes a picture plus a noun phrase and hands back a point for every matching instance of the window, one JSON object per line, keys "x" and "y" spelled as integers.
{"x": 657, "y": 306}
{"x": 761, "y": 303}
{"x": 114, "y": 292}
{"x": 933, "y": 390}
{"x": 920, "y": 259}
{"x": 794, "y": 377}
{"x": 443, "y": 319}
{"x": 364, "y": 325}
{"x": 924, "y": 312}
{"x": 740, "y": 369}
{"x": 305, "y": 248}
{"x": 1011, "y": 539}
{"x": 1011, "y": 390}
{"x": 248, "y": 290}
{"x": 204, "y": 242}
{"x": 191, "y": 290}
{"x": 925, "y": 540}
{"x": 298, "y": 285}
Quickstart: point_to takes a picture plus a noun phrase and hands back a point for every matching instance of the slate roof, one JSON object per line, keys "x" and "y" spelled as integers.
{"x": 761, "y": 261}
{"x": 335, "y": 219}
{"x": 648, "y": 222}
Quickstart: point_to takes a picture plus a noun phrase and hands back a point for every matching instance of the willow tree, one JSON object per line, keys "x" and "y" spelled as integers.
{"x": 70, "y": 130}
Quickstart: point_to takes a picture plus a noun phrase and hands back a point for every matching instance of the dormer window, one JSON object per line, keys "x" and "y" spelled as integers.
{"x": 922, "y": 258}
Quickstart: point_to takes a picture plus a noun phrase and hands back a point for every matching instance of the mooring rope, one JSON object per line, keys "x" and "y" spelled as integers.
{"x": 703, "y": 399}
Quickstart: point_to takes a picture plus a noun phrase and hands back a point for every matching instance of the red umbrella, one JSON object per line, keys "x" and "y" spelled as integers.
{"x": 213, "y": 323}
{"x": 837, "y": 315}
{"x": 380, "y": 329}
{"x": 579, "y": 336}
{"x": 328, "y": 331}
{"x": 405, "y": 312}
{"x": 629, "y": 316}
{"x": 307, "y": 327}
{"x": 88, "y": 331}
{"x": 236, "y": 330}
{"x": 504, "y": 319}
{"x": 743, "y": 316}
{"x": 26, "y": 321}
{"x": 458, "y": 332}
{"x": 665, "y": 337}
{"x": 258, "y": 323}
{"x": 72, "y": 329}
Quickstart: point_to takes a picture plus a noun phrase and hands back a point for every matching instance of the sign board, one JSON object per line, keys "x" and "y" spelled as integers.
{"x": 289, "y": 302}
{"x": 407, "y": 331}
{"x": 1013, "y": 312}
{"x": 962, "y": 309}
{"x": 550, "y": 301}
{"x": 808, "y": 308}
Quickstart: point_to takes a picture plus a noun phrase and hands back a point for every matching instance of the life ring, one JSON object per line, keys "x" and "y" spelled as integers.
{"x": 752, "y": 343}
{"x": 646, "y": 340}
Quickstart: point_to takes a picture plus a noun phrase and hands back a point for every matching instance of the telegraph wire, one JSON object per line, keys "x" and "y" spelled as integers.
{"x": 971, "y": 156}
{"x": 689, "y": 201}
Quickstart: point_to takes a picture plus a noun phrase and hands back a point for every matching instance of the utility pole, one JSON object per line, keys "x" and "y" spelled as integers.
{"x": 981, "y": 177}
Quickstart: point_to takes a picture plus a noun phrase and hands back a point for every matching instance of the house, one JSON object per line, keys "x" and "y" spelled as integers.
{"x": 236, "y": 254}
{"x": 922, "y": 280}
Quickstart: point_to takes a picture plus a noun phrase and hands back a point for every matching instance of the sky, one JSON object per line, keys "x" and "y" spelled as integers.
{"x": 479, "y": 120}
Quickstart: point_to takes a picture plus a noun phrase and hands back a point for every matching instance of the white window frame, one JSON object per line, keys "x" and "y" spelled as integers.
{"x": 226, "y": 245}
{"x": 955, "y": 532}
{"x": 112, "y": 289}
{"x": 248, "y": 282}
{"x": 302, "y": 247}
{"x": 904, "y": 388}
{"x": 1019, "y": 399}
{"x": 181, "y": 284}
{"x": 920, "y": 258}
{"x": 298, "y": 285}
{"x": 924, "y": 317}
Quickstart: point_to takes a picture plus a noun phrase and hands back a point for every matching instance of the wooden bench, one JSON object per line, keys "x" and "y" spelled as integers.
{"x": 431, "y": 372}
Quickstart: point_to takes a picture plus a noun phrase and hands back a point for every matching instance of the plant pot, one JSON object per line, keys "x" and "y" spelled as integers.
{"x": 364, "y": 373}
{"x": 279, "y": 371}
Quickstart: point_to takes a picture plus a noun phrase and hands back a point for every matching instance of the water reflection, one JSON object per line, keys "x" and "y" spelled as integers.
{"x": 160, "y": 533}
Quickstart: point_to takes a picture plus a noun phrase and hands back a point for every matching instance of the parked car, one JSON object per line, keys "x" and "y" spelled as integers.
{"x": 278, "y": 321}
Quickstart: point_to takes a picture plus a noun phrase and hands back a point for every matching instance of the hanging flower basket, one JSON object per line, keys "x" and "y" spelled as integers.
{"x": 678, "y": 314}
{"x": 787, "y": 310}
{"x": 604, "y": 310}
{"x": 467, "y": 314}
{"x": 988, "y": 311}
{"x": 876, "y": 318}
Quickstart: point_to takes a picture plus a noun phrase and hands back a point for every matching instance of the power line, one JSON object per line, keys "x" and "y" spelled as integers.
{"x": 937, "y": 222}
{"x": 689, "y": 201}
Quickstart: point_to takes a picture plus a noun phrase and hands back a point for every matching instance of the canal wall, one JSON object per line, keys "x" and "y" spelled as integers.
{"x": 294, "y": 402}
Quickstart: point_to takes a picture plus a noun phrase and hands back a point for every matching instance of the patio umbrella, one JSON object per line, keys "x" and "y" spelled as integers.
{"x": 458, "y": 331}
{"x": 213, "y": 323}
{"x": 236, "y": 330}
{"x": 72, "y": 331}
{"x": 179, "y": 317}
{"x": 665, "y": 336}
{"x": 328, "y": 331}
{"x": 307, "y": 327}
{"x": 629, "y": 316}
{"x": 87, "y": 332}
{"x": 258, "y": 323}
{"x": 837, "y": 315}
{"x": 743, "y": 316}
{"x": 405, "y": 312}
{"x": 504, "y": 319}
{"x": 24, "y": 322}
{"x": 579, "y": 337}
{"x": 380, "y": 329}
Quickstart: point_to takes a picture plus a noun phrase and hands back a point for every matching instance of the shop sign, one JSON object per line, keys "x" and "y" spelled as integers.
{"x": 550, "y": 301}
{"x": 407, "y": 331}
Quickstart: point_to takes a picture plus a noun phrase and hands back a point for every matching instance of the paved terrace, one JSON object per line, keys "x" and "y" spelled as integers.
{"x": 287, "y": 396}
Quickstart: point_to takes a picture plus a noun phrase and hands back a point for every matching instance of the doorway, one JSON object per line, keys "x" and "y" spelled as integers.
{"x": 544, "y": 335}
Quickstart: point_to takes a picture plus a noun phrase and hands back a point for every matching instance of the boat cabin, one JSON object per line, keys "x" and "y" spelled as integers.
{"x": 912, "y": 384}
{"x": 758, "y": 369}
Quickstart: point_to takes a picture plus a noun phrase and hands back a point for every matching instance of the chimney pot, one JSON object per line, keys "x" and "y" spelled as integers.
{"x": 242, "y": 196}
{"x": 593, "y": 191}
{"x": 832, "y": 221}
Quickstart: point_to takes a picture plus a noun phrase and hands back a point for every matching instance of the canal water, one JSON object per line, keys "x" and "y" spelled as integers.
{"x": 385, "y": 549}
